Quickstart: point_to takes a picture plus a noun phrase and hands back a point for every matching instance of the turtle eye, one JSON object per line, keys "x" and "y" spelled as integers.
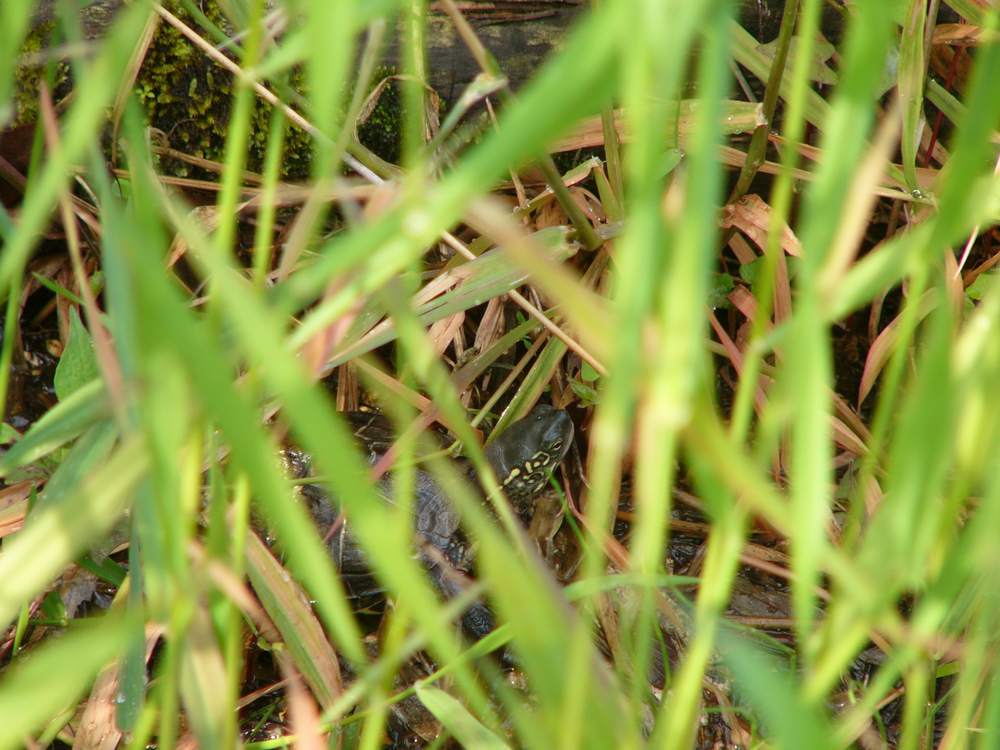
{"x": 556, "y": 445}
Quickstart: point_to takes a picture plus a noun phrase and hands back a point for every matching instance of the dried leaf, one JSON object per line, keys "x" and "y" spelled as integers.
{"x": 443, "y": 332}
{"x": 289, "y": 608}
{"x": 961, "y": 35}
{"x": 752, "y": 216}
{"x": 738, "y": 117}
{"x": 881, "y": 348}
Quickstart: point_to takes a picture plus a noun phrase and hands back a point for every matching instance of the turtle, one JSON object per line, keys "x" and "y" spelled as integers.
{"x": 522, "y": 458}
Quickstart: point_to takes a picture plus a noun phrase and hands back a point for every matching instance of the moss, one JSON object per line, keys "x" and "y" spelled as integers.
{"x": 189, "y": 98}
{"x": 297, "y": 156}
{"x": 382, "y": 129}
{"x": 27, "y": 78}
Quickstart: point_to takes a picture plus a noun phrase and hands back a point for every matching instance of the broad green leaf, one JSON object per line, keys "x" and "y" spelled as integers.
{"x": 721, "y": 284}
{"x": 78, "y": 364}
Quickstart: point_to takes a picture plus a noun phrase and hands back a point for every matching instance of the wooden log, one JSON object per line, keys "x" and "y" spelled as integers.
{"x": 519, "y": 33}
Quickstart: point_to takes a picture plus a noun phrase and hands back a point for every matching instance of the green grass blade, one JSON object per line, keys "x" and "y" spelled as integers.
{"x": 679, "y": 374}
{"x": 203, "y": 682}
{"x": 912, "y": 68}
{"x": 809, "y": 360}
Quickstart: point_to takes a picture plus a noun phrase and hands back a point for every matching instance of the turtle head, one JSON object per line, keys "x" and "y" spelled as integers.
{"x": 529, "y": 450}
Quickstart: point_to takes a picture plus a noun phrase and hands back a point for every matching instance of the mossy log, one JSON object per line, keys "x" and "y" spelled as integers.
{"x": 520, "y": 33}
{"x": 188, "y": 97}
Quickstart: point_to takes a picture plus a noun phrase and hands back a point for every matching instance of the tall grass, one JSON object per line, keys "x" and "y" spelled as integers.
{"x": 879, "y": 509}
